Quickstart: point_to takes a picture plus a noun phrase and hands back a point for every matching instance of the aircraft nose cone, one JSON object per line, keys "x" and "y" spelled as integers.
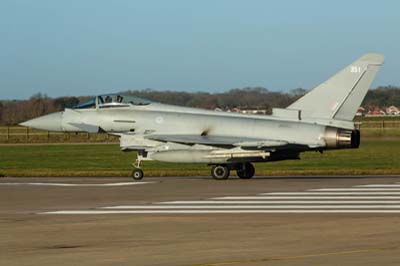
{"x": 51, "y": 122}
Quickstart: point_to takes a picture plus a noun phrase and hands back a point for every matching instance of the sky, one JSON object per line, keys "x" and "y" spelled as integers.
{"x": 75, "y": 47}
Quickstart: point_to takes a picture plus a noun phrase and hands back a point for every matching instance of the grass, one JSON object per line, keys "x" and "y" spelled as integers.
{"x": 373, "y": 157}
{"x": 378, "y": 118}
{"x": 24, "y": 135}
{"x": 380, "y": 133}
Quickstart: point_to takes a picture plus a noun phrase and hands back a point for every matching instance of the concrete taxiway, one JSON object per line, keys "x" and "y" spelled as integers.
{"x": 198, "y": 221}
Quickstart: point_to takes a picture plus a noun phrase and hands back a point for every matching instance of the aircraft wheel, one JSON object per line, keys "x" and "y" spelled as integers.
{"x": 137, "y": 174}
{"x": 220, "y": 172}
{"x": 246, "y": 172}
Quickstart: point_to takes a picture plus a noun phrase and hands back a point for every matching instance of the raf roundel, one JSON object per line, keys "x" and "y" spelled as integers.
{"x": 159, "y": 119}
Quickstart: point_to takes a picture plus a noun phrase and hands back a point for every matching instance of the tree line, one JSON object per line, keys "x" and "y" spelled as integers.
{"x": 13, "y": 112}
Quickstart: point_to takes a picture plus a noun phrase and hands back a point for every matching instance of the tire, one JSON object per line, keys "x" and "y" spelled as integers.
{"x": 137, "y": 174}
{"x": 241, "y": 174}
{"x": 220, "y": 172}
{"x": 246, "y": 172}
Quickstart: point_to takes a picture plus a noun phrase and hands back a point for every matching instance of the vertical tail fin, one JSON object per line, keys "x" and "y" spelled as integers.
{"x": 341, "y": 95}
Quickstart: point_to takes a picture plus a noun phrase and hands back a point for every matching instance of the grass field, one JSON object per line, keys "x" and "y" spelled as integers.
{"x": 373, "y": 157}
{"x": 374, "y": 133}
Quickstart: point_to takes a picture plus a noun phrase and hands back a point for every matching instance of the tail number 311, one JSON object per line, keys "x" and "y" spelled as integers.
{"x": 355, "y": 69}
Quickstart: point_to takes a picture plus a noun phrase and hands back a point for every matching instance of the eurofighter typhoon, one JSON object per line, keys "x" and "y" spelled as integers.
{"x": 320, "y": 120}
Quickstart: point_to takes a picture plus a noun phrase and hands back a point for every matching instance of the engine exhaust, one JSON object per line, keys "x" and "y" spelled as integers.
{"x": 337, "y": 138}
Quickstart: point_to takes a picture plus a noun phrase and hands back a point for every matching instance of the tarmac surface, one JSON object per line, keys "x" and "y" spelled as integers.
{"x": 191, "y": 221}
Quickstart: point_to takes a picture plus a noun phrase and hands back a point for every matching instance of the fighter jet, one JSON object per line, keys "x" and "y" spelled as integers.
{"x": 320, "y": 120}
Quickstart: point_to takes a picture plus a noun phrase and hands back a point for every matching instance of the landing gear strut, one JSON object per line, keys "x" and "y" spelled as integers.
{"x": 246, "y": 171}
{"x": 137, "y": 173}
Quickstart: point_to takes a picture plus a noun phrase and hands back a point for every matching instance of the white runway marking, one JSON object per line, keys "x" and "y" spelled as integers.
{"x": 381, "y": 185}
{"x": 332, "y": 193}
{"x": 283, "y": 202}
{"x": 304, "y": 197}
{"x": 76, "y": 184}
{"x": 213, "y": 211}
{"x": 355, "y": 189}
{"x": 155, "y": 207}
{"x": 373, "y": 200}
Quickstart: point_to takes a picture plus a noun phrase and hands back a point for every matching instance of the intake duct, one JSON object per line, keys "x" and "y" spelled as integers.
{"x": 337, "y": 138}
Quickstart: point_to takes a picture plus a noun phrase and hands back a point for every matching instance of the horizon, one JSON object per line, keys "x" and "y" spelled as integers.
{"x": 44, "y": 95}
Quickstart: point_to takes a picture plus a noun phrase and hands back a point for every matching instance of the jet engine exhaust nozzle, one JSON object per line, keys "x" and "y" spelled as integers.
{"x": 337, "y": 138}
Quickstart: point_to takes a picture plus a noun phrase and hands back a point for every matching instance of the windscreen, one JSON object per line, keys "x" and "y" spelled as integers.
{"x": 121, "y": 100}
{"x": 86, "y": 105}
{"x": 112, "y": 100}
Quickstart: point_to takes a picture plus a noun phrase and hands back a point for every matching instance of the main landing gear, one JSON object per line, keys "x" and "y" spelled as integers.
{"x": 137, "y": 173}
{"x": 246, "y": 171}
{"x": 218, "y": 172}
{"x": 222, "y": 171}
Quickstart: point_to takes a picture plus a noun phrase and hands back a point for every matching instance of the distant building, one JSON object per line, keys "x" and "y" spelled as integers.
{"x": 376, "y": 112}
{"x": 361, "y": 111}
{"x": 236, "y": 110}
{"x": 392, "y": 110}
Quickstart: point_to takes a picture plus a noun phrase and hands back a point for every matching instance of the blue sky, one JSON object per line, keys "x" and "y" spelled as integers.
{"x": 91, "y": 47}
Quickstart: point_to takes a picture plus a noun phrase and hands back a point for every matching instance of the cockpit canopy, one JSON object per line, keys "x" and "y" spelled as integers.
{"x": 112, "y": 100}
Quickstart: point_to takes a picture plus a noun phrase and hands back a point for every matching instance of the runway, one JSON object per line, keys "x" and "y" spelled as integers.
{"x": 199, "y": 221}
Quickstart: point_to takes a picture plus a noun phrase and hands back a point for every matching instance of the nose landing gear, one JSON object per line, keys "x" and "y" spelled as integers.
{"x": 137, "y": 173}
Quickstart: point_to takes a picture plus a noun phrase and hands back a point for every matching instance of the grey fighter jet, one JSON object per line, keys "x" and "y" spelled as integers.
{"x": 320, "y": 120}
